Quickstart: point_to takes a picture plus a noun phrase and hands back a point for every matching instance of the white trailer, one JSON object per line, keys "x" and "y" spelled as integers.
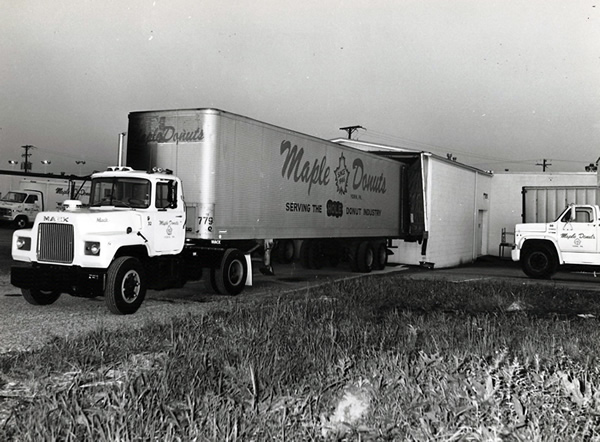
{"x": 228, "y": 186}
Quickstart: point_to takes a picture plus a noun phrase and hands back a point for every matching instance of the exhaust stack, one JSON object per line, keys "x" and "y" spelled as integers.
{"x": 121, "y": 148}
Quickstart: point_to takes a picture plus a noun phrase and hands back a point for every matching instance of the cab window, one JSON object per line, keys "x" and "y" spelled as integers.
{"x": 166, "y": 195}
{"x": 583, "y": 215}
{"x": 31, "y": 199}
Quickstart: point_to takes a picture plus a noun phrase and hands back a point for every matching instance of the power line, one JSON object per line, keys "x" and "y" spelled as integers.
{"x": 351, "y": 130}
{"x": 544, "y": 164}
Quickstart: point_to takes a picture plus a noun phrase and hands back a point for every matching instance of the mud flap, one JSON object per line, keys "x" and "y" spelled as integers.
{"x": 249, "y": 273}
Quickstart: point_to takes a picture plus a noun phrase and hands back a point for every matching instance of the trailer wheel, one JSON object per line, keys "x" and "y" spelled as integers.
{"x": 365, "y": 257}
{"x": 304, "y": 253}
{"x": 311, "y": 254}
{"x": 285, "y": 251}
{"x": 230, "y": 278}
{"x": 125, "y": 286}
{"x": 381, "y": 257}
{"x": 40, "y": 297}
{"x": 210, "y": 282}
{"x": 539, "y": 262}
{"x": 21, "y": 222}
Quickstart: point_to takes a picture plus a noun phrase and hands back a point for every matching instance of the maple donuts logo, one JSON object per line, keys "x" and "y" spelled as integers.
{"x": 164, "y": 133}
{"x": 342, "y": 175}
{"x": 315, "y": 171}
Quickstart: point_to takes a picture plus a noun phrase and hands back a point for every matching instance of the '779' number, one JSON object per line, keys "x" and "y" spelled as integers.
{"x": 207, "y": 221}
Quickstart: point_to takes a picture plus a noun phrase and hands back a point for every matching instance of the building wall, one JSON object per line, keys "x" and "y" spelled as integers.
{"x": 506, "y": 203}
{"x": 455, "y": 196}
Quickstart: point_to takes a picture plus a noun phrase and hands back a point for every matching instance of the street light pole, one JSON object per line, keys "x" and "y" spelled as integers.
{"x": 45, "y": 163}
{"x": 79, "y": 163}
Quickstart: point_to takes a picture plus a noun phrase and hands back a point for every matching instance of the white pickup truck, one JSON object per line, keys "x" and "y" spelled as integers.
{"x": 571, "y": 239}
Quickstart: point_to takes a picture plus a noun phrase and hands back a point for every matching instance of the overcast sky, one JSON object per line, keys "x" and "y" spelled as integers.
{"x": 500, "y": 84}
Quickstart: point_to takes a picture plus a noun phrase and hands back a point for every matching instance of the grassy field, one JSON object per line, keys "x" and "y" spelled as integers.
{"x": 380, "y": 358}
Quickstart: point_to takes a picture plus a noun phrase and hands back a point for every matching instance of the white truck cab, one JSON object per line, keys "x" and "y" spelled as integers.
{"x": 111, "y": 247}
{"x": 571, "y": 239}
{"x": 21, "y": 206}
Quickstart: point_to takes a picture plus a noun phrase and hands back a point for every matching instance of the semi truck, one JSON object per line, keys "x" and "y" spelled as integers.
{"x": 20, "y": 207}
{"x": 573, "y": 238}
{"x": 203, "y": 192}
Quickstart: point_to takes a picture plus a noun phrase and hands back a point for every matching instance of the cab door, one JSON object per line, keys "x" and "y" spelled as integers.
{"x": 169, "y": 218}
{"x": 577, "y": 230}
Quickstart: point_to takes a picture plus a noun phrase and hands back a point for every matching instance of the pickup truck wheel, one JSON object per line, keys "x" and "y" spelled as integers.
{"x": 21, "y": 222}
{"x": 230, "y": 277}
{"x": 40, "y": 297}
{"x": 125, "y": 286}
{"x": 365, "y": 257}
{"x": 539, "y": 262}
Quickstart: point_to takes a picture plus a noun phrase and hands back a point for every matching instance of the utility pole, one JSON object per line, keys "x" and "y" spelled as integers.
{"x": 544, "y": 164}
{"x": 351, "y": 130}
{"x": 26, "y": 155}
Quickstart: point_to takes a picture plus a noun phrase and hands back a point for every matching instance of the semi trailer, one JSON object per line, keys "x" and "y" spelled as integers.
{"x": 203, "y": 191}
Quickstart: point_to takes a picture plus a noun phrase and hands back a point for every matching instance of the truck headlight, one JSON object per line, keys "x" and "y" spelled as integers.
{"x": 92, "y": 248}
{"x": 23, "y": 243}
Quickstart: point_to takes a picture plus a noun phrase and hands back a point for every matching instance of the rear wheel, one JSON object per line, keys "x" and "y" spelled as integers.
{"x": 230, "y": 278}
{"x": 125, "y": 286}
{"x": 285, "y": 251}
{"x": 381, "y": 257}
{"x": 40, "y": 297}
{"x": 539, "y": 262}
{"x": 365, "y": 257}
{"x": 210, "y": 283}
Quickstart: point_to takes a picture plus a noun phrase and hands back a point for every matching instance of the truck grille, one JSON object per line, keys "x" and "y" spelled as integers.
{"x": 55, "y": 243}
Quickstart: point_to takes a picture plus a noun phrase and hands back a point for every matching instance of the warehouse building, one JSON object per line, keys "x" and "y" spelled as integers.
{"x": 455, "y": 209}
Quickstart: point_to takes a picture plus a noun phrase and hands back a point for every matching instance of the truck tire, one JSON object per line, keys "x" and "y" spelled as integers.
{"x": 125, "y": 285}
{"x": 231, "y": 276}
{"x": 40, "y": 297}
{"x": 381, "y": 257}
{"x": 539, "y": 262}
{"x": 285, "y": 251}
{"x": 21, "y": 222}
{"x": 210, "y": 282}
{"x": 365, "y": 257}
{"x": 311, "y": 254}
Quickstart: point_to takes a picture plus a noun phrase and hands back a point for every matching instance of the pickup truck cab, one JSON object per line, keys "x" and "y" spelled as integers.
{"x": 21, "y": 207}
{"x": 571, "y": 239}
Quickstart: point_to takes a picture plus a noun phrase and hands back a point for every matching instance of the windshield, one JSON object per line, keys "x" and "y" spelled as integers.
{"x": 14, "y": 197}
{"x": 120, "y": 192}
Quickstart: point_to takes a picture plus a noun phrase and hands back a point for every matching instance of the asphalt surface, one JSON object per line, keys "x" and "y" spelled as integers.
{"x": 23, "y": 326}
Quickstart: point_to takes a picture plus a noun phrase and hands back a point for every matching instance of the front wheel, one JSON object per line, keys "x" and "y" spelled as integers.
{"x": 125, "y": 286}
{"x": 539, "y": 262}
{"x": 230, "y": 277}
{"x": 21, "y": 222}
{"x": 40, "y": 297}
